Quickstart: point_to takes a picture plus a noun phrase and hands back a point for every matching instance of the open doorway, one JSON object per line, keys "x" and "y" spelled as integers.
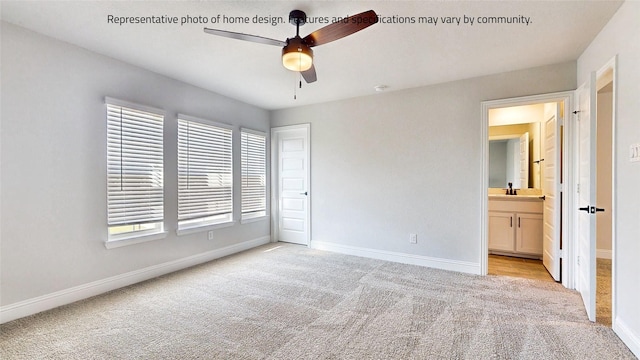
{"x": 604, "y": 171}
{"x": 524, "y": 227}
{"x": 523, "y": 161}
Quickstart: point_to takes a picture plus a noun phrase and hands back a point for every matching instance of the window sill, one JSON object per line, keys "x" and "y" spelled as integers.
{"x": 116, "y": 243}
{"x": 197, "y": 229}
{"x": 254, "y": 219}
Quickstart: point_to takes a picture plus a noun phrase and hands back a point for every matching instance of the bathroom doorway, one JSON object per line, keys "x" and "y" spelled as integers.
{"x": 524, "y": 227}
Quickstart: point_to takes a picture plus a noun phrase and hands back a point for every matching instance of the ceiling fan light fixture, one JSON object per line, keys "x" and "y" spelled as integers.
{"x": 296, "y": 52}
{"x": 296, "y": 55}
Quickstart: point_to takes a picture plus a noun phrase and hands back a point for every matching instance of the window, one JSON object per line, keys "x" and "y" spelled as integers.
{"x": 134, "y": 170}
{"x": 254, "y": 173}
{"x": 205, "y": 178}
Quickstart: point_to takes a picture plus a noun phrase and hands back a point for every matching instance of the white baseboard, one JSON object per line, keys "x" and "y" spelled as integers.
{"x": 603, "y": 254}
{"x": 76, "y": 293}
{"x": 437, "y": 263}
{"x": 627, "y": 336}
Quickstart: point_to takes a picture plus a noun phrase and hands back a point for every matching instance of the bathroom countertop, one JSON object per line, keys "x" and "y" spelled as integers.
{"x": 515, "y": 197}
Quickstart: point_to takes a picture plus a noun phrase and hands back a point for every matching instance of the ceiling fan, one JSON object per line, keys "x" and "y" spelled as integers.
{"x": 297, "y": 54}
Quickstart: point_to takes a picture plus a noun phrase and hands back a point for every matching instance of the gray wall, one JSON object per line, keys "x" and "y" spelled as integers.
{"x": 387, "y": 165}
{"x": 621, "y": 37}
{"x": 53, "y": 177}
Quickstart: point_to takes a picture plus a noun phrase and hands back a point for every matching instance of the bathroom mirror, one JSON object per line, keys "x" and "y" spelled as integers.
{"x": 514, "y": 156}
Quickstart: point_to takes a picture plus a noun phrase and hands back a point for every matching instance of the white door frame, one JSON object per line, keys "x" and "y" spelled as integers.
{"x": 602, "y": 78}
{"x": 567, "y": 189}
{"x": 275, "y": 170}
{"x": 612, "y": 65}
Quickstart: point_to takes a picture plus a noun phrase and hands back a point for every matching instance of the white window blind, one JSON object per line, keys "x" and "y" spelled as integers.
{"x": 205, "y": 174}
{"x": 134, "y": 170}
{"x": 254, "y": 173}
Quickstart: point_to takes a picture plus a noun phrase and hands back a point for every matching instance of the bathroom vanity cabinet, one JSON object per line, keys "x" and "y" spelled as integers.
{"x": 515, "y": 226}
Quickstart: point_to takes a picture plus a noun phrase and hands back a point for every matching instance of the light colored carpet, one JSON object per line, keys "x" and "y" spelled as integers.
{"x": 284, "y": 301}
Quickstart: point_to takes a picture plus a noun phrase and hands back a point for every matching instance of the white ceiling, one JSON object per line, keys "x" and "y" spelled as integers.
{"x": 397, "y": 55}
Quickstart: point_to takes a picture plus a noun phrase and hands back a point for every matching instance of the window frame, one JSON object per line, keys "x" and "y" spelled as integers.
{"x": 259, "y": 214}
{"x": 188, "y": 226}
{"x": 142, "y": 233}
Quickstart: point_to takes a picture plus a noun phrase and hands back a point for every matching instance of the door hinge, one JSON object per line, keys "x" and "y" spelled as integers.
{"x": 578, "y": 188}
{"x": 560, "y": 254}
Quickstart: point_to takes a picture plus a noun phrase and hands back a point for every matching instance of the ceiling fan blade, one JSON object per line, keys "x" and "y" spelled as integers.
{"x": 246, "y": 37}
{"x": 341, "y": 28}
{"x": 310, "y": 75}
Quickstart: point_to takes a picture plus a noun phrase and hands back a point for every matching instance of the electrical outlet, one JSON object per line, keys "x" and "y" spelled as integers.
{"x": 413, "y": 238}
{"x": 210, "y": 234}
{"x": 635, "y": 153}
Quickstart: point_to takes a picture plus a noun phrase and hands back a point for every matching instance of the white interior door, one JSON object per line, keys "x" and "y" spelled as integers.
{"x": 292, "y": 177}
{"x": 551, "y": 182}
{"x": 524, "y": 161}
{"x": 586, "y": 249}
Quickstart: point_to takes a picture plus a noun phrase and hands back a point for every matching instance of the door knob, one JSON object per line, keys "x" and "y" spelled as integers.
{"x": 304, "y": 193}
{"x": 591, "y": 209}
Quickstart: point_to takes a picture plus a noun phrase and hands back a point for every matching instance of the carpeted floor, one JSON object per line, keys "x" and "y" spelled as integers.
{"x": 534, "y": 269}
{"x": 283, "y": 301}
